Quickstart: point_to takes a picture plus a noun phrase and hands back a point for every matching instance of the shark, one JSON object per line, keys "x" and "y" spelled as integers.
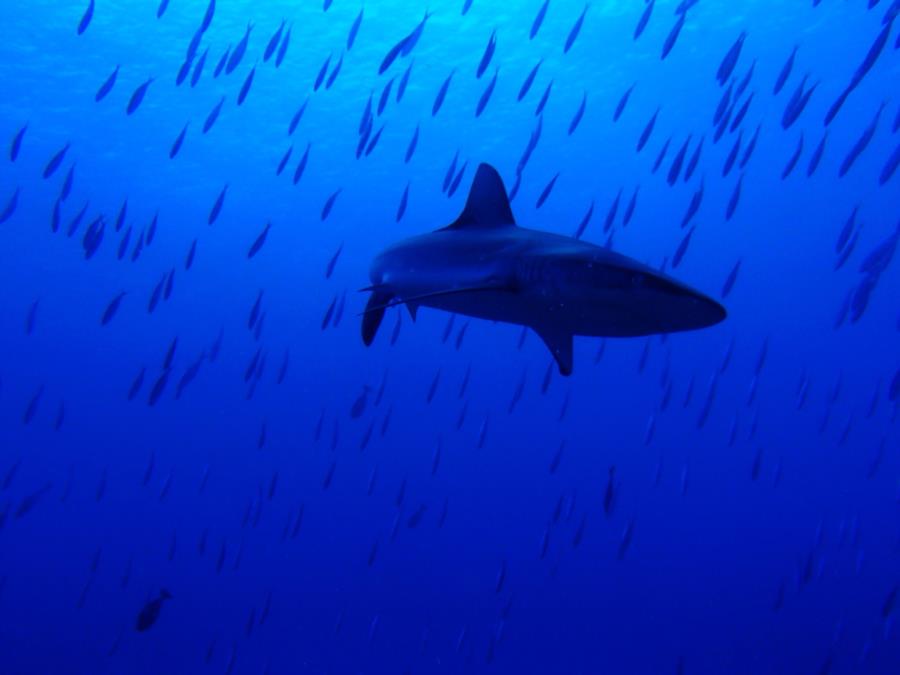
{"x": 484, "y": 265}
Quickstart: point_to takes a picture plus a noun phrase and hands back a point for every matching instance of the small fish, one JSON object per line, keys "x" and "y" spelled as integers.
{"x": 576, "y": 119}
{"x": 726, "y": 67}
{"x": 111, "y": 309}
{"x": 785, "y": 72}
{"x": 150, "y": 612}
{"x": 107, "y": 86}
{"x": 442, "y": 94}
{"x": 487, "y": 55}
{"x": 245, "y": 88}
{"x": 354, "y": 30}
{"x": 672, "y": 37}
{"x": 217, "y": 206}
{"x": 138, "y": 97}
{"x": 259, "y": 241}
{"x": 575, "y": 30}
{"x": 237, "y": 54}
{"x": 15, "y": 145}
{"x": 53, "y": 165}
{"x": 86, "y": 18}
{"x": 644, "y": 20}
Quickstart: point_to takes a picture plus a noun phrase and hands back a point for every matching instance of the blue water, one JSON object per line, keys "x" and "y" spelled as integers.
{"x": 752, "y": 525}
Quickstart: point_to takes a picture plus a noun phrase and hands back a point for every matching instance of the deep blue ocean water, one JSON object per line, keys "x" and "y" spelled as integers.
{"x": 718, "y": 501}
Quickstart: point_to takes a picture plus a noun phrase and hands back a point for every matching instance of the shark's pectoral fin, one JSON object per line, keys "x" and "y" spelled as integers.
{"x": 560, "y": 345}
{"x": 413, "y": 308}
{"x": 378, "y": 302}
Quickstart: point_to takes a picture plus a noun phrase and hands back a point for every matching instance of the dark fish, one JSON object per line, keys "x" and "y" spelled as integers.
{"x": 529, "y": 80}
{"x": 751, "y": 146}
{"x": 544, "y": 99}
{"x": 401, "y": 208}
{"x": 620, "y": 107}
{"x": 107, "y": 86}
{"x": 816, "y": 157}
{"x": 678, "y": 162}
{"x": 672, "y": 37}
{"x": 785, "y": 71}
{"x": 693, "y": 205}
{"x": 744, "y": 83}
{"x": 260, "y": 240}
{"x": 730, "y": 60}
{"x": 404, "y": 82}
{"x": 576, "y": 118}
{"x": 179, "y": 141}
{"x": 284, "y": 160}
{"x": 487, "y": 55}
{"x": 613, "y": 210}
{"x": 576, "y": 29}
{"x": 584, "y": 221}
{"x": 334, "y": 73}
{"x": 282, "y": 50}
{"x": 111, "y": 309}
{"x": 237, "y": 55}
{"x": 198, "y": 68}
{"x": 861, "y": 71}
{"x": 545, "y": 193}
{"x": 192, "y": 251}
{"x": 411, "y": 148}
{"x": 137, "y": 97}
{"x": 273, "y": 42}
{"x": 682, "y": 248}
{"x": 442, "y": 94}
{"x": 724, "y": 104}
{"x": 329, "y": 204}
{"x": 217, "y": 206}
{"x": 486, "y": 95}
{"x": 730, "y": 280}
{"x": 86, "y": 18}
{"x": 163, "y": 5}
{"x": 301, "y": 165}
{"x": 220, "y": 66}
{"x": 735, "y": 198}
{"x": 385, "y": 96}
{"x": 15, "y": 145}
{"x": 404, "y": 46}
{"x": 609, "y": 494}
{"x": 662, "y": 155}
{"x": 150, "y": 612}
{"x": 32, "y": 406}
{"x": 31, "y": 500}
{"x": 53, "y": 165}
{"x": 354, "y": 30}
{"x": 245, "y": 88}
{"x": 862, "y": 143}
{"x": 648, "y": 130}
{"x": 792, "y": 162}
{"x": 890, "y": 166}
{"x": 694, "y": 161}
{"x": 538, "y": 20}
{"x": 10, "y": 207}
{"x": 741, "y": 114}
{"x": 629, "y": 209}
{"x": 213, "y": 115}
{"x": 644, "y": 20}
{"x": 732, "y": 155}
{"x": 295, "y": 120}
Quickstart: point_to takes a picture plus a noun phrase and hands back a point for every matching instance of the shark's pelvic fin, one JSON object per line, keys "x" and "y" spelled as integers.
{"x": 488, "y": 205}
{"x": 560, "y": 345}
{"x": 378, "y": 301}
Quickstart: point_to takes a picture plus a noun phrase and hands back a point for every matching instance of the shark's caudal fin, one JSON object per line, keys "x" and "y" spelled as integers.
{"x": 488, "y": 205}
{"x": 560, "y": 345}
{"x": 378, "y": 302}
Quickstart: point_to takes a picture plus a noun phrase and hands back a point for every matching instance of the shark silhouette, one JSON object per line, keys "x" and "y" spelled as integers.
{"x": 483, "y": 265}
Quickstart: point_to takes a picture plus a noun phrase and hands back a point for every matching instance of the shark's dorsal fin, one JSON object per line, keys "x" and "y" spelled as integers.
{"x": 488, "y": 205}
{"x": 560, "y": 345}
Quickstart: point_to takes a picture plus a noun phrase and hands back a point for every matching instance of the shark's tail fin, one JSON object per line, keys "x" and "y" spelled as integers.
{"x": 374, "y": 313}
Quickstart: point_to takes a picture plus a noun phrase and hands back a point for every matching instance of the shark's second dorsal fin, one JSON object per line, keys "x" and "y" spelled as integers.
{"x": 488, "y": 205}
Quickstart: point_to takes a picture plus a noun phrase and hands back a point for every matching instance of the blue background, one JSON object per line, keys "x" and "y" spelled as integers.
{"x": 712, "y": 546}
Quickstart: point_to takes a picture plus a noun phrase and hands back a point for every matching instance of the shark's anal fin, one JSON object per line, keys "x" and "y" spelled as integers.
{"x": 374, "y": 313}
{"x": 487, "y": 206}
{"x": 560, "y": 345}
